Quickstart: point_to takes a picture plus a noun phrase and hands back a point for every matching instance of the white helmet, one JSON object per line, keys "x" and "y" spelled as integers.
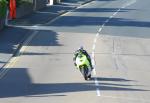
{"x": 80, "y": 48}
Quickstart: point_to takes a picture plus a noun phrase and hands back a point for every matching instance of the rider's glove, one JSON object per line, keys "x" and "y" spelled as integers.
{"x": 75, "y": 64}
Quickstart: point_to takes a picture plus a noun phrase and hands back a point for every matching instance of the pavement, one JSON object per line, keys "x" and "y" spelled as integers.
{"x": 14, "y": 35}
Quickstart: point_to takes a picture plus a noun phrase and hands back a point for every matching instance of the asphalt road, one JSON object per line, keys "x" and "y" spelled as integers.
{"x": 114, "y": 32}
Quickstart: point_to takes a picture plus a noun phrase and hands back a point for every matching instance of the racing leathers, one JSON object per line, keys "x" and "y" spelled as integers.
{"x": 85, "y": 53}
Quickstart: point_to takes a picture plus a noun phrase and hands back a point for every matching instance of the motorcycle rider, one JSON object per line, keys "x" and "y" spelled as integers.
{"x": 81, "y": 50}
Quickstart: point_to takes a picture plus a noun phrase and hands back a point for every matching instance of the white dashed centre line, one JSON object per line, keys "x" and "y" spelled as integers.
{"x": 97, "y": 84}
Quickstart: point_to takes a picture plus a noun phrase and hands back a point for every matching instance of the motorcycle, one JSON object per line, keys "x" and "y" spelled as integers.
{"x": 84, "y": 66}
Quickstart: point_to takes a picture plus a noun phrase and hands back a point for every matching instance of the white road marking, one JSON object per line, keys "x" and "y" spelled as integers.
{"x": 107, "y": 21}
{"x": 115, "y": 13}
{"x": 99, "y": 31}
{"x": 118, "y": 10}
{"x": 95, "y": 40}
{"x": 93, "y": 63}
{"x": 98, "y": 92}
{"x": 94, "y": 47}
{"x": 7, "y": 67}
{"x": 111, "y": 17}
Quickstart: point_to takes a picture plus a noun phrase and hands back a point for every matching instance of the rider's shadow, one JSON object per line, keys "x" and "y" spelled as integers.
{"x": 110, "y": 79}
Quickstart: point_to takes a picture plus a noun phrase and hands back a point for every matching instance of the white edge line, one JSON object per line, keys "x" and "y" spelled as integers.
{"x": 98, "y": 92}
{"x": 93, "y": 63}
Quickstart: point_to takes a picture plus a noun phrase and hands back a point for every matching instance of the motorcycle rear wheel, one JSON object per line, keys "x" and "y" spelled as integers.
{"x": 84, "y": 72}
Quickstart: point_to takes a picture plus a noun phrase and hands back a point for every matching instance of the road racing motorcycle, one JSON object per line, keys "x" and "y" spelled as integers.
{"x": 83, "y": 65}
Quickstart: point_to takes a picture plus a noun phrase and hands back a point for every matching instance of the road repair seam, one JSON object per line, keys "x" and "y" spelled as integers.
{"x": 127, "y": 98}
{"x": 97, "y": 84}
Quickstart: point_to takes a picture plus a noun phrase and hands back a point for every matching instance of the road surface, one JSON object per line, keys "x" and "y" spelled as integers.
{"x": 114, "y": 32}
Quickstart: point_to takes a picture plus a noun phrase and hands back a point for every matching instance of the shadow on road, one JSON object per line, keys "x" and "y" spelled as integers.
{"x": 73, "y": 22}
{"x": 2, "y": 62}
{"x": 105, "y": 0}
{"x": 9, "y": 44}
{"x": 19, "y": 83}
{"x": 45, "y": 38}
{"x": 111, "y": 79}
{"x": 87, "y": 21}
{"x": 11, "y": 40}
{"x": 42, "y": 16}
{"x": 11, "y": 37}
{"x": 102, "y": 10}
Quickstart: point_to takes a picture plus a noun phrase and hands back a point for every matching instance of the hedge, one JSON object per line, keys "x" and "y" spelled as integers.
{"x": 20, "y": 2}
{"x": 3, "y": 8}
